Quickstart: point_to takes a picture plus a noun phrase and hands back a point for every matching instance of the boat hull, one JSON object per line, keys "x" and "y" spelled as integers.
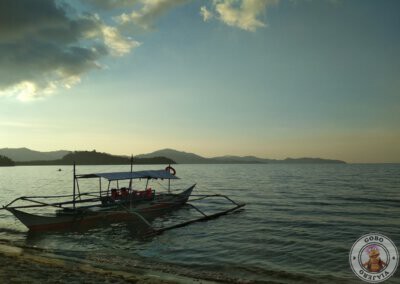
{"x": 103, "y": 215}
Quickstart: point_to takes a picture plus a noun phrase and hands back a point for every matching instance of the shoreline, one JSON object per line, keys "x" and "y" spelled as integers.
{"x": 30, "y": 265}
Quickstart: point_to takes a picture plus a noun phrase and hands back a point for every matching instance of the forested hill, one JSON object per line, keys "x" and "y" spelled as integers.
{"x": 6, "y": 162}
{"x": 97, "y": 158}
{"x": 25, "y": 154}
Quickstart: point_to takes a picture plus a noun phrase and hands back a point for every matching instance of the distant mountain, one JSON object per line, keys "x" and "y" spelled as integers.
{"x": 191, "y": 158}
{"x": 97, "y": 158}
{"x": 239, "y": 160}
{"x": 25, "y": 154}
{"x": 177, "y": 156}
{"x": 310, "y": 161}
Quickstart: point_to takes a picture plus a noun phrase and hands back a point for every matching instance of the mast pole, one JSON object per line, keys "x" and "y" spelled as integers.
{"x": 130, "y": 181}
{"x": 169, "y": 182}
{"x": 130, "y": 191}
{"x": 73, "y": 200}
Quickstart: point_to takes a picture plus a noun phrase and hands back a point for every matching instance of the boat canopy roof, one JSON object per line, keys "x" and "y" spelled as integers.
{"x": 150, "y": 174}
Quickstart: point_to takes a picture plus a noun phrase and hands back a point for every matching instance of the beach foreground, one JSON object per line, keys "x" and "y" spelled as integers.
{"x": 26, "y": 265}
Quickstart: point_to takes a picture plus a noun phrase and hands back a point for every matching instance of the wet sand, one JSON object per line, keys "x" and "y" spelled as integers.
{"x": 24, "y": 265}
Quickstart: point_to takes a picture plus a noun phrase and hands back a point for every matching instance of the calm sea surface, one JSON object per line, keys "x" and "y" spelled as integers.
{"x": 298, "y": 226}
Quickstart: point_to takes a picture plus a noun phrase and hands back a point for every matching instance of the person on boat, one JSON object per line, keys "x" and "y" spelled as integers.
{"x": 124, "y": 193}
{"x": 375, "y": 263}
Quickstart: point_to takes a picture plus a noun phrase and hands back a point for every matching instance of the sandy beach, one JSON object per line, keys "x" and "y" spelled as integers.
{"x": 26, "y": 265}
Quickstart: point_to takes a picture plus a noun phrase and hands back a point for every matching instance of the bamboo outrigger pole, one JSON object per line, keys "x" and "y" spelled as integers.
{"x": 130, "y": 181}
{"x": 73, "y": 198}
{"x": 169, "y": 181}
{"x": 130, "y": 185}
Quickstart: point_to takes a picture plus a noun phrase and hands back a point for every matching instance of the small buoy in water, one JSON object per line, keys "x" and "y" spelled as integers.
{"x": 59, "y": 170}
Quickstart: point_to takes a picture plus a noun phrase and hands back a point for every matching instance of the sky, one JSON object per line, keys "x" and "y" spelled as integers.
{"x": 270, "y": 78}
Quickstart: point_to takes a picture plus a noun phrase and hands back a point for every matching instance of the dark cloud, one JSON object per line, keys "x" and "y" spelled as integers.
{"x": 111, "y": 4}
{"x": 44, "y": 44}
{"x": 43, "y": 19}
{"x": 48, "y": 44}
{"x": 34, "y": 60}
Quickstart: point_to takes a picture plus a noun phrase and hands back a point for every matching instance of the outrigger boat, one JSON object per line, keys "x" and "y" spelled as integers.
{"x": 113, "y": 205}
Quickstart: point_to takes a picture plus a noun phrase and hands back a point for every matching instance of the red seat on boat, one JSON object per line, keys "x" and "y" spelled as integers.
{"x": 149, "y": 193}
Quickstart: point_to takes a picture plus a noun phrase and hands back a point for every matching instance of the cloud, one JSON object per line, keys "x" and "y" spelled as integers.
{"x": 119, "y": 45}
{"x": 111, "y": 4}
{"x": 147, "y": 12}
{"x": 46, "y": 45}
{"x": 243, "y": 14}
{"x": 206, "y": 14}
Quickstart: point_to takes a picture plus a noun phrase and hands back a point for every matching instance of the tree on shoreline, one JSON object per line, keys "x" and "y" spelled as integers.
{"x": 6, "y": 162}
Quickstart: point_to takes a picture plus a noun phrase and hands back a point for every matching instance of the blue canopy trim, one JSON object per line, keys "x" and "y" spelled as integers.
{"x": 150, "y": 174}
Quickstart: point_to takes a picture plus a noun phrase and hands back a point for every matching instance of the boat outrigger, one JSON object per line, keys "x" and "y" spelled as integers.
{"x": 113, "y": 205}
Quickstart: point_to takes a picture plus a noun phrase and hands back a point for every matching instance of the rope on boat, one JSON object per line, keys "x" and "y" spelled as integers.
{"x": 138, "y": 215}
{"x": 142, "y": 219}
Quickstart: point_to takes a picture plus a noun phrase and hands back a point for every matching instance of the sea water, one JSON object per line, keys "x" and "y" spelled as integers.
{"x": 299, "y": 223}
